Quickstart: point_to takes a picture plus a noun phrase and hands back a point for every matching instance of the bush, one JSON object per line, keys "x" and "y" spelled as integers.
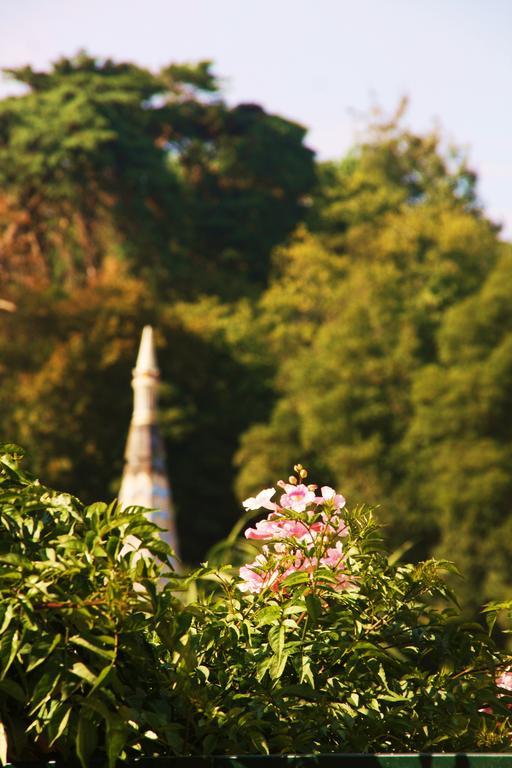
{"x": 326, "y": 645}
{"x": 322, "y": 644}
{"x": 80, "y": 604}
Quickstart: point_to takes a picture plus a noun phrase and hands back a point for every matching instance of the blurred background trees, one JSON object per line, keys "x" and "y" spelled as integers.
{"x": 352, "y": 315}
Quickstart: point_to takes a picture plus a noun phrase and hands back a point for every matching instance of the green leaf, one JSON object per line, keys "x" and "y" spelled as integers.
{"x": 277, "y": 665}
{"x": 267, "y": 615}
{"x": 262, "y": 668}
{"x": 9, "y": 647}
{"x": 101, "y": 678}
{"x": 80, "y": 670}
{"x": 63, "y": 723}
{"x": 306, "y": 673}
{"x": 8, "y": 616}
{"x": 3, "y": 743}
{"x": 13, "y": 689}
{"x": 12, "y": 558}
{"x": 260, "y": 742}
{"x": 86, "y": 738}
{"x": 116, "y": 738}
{"x": 299, "y": 577}
{"x": 81, "y": 641}
{"x": 314, "y": 607}
{"x": 45, "y": 652}
{"x": 276, "y": 637}
{"x": 295, "y": 606}
{"x": 12, "y": 449}
{"x": 354, "y": 699}
{"x": 44, "y": 688}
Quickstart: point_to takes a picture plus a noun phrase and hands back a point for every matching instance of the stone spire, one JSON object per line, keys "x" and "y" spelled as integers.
{"x": 145, "y": 481}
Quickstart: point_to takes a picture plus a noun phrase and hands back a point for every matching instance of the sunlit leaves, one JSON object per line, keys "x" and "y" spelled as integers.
{"x": 79, "y": 613}
{"x": 388, "y": 665}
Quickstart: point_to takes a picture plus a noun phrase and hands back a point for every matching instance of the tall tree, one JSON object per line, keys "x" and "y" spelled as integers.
{"x": 459, "y": 443}
{"x": 99, "y": 157}
{"x": 353, "y": 315}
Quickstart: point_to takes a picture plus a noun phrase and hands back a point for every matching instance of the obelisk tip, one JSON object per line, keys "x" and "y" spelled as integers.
{"x": 146, "y": 359}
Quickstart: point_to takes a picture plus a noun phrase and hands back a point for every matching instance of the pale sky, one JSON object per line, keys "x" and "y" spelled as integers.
{"x": 318, "y": 62}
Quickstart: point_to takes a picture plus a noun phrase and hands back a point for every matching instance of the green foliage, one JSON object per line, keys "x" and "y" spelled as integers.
{"x": 99, "y": 661}
{"x": 79, "y": 156}
{"x": 361, "y": 313}
{"x": 217, "y": 384}
{"x": 126, "y": 197}
{"x": 385, "y": 665}
{"x": 349, "y": 331}
{"x": 390, "y": 168}
{"x": 462, "y": 408}
{"x": 79, "y": 608}
{"x": 66, "y": 389}
{"x": 373, "y": 339}
{"x": 103, "y": 156}
{"x": 68, "y": 398}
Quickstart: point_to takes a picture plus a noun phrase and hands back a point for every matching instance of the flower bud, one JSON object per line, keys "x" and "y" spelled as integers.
{"x": 303, "y": 473}
{"x": 292, "y": 480}
{"x": 297, "y": 468}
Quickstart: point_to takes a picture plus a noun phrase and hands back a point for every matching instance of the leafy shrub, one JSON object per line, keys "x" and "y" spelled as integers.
{"x": 79, "y": 603}
{"x": 321, "y": 644}
{"x": 318, "y": 649}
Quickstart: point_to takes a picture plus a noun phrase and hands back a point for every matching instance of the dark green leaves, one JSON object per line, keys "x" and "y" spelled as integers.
{"x": 385, "y": 665}
{"x": 78, "y": 666}
{"x": 97, "y": 658}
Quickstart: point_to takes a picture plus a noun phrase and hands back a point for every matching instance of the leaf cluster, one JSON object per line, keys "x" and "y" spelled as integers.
{"x": 388, "y": 665}
{"x": 98, "y": 156}
{"x": 80, "y": 605}
{"x": 100, "y": 662}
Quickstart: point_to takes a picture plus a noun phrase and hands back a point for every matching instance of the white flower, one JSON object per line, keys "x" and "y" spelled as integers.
{"x": 261, "y": 500}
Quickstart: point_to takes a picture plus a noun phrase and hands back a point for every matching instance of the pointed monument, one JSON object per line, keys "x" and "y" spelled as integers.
{"x": 145, "y": 481}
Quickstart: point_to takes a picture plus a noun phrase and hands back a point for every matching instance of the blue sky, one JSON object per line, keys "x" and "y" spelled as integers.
{"x": 321, "y": 62}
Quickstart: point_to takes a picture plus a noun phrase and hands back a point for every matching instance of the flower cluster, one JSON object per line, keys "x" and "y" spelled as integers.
{"x": 504, "y": 681}
{"x": 303, "y": 530}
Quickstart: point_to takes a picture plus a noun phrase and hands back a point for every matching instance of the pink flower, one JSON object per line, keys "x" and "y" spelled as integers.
{"x": 505, "y": 680}
{"x": 333, "y": 557}
{"x": 302, "y": 563}
{"x": 296, "y": 497}
{"x": 319, "y": 527}
{"x": 264, "y": 531}
{"x": 255, "y": 578}
{"x": 299, "y": 545}
{"x": 261, "y": 500}
{"x": 343, "y": 582}
{"x": 280, "y": 528}
{"x": 329, "y": 494}
{"x": 336, "y": 525}
{"x": 502, "y": 681}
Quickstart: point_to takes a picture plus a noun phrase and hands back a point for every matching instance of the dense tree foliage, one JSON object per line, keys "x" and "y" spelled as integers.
{"x": 126, "y": 194}
{"x": 459, "y": 442}
{"x": 102, "y": 157}
{"x": 360, "y": 315}
{"x": 354, "y": 315}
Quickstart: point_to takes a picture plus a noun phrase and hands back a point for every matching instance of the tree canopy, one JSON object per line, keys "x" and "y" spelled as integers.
{"x": 100, "y": 157}
{"x": 353, "y": 315}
